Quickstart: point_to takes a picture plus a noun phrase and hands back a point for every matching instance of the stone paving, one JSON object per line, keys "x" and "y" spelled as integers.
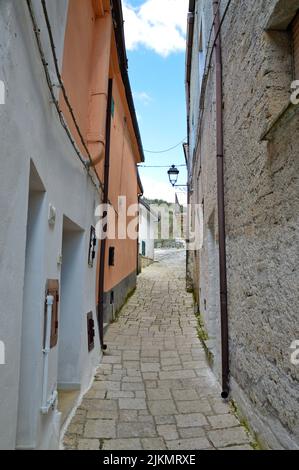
{"x": 154, "y": 389}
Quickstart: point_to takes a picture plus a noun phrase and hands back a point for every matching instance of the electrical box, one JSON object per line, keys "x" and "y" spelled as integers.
{"x": 90, "y": 331}
{"x": 52, "y": 288}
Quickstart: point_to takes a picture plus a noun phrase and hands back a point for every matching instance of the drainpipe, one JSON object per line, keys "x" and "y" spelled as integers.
{"x": 98, "y": 97}
{"x": 105, "y": 202}
{"x": 47, "y": 403}
{"x": 221, "y": 209}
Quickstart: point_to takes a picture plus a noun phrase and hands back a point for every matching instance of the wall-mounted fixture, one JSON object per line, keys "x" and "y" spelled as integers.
{"x": 52, "y": 289}
{"x": 90, "y": 332}
{"x": 92, "y": 246}
{"x": 111, "y": 260}
{"x": 52, "y": 215}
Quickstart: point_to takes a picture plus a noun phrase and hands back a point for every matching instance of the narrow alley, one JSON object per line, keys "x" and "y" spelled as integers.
{"x": 154, "y": 389}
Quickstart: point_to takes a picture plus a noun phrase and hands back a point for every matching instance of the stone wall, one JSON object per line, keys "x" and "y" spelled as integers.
{"x": 261, "y": 204}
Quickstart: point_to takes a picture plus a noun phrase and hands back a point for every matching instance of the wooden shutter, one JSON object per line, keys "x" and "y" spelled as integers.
{"x": 53, "y": 289}
{"x": 295, "y": 32}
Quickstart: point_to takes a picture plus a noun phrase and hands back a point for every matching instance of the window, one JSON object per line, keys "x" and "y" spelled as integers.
{"x": 295, "y": 34}
{"x": 143, "y": 248}
{"x": 111, "y": 260}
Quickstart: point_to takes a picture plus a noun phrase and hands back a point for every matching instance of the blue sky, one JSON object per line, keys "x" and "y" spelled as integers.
{"x": 156, "y": 53}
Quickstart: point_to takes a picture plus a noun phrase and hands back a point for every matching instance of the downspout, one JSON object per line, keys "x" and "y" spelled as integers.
{"x": 98, "y": 97}
{"x": 221, "y": 208}
{"x": 105, "y": 202}
{"x": 47, "y": 403}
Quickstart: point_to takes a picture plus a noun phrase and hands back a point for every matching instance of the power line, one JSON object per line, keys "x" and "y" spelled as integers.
{"x": 166, "y": 150}
{"x": 159, "y": 166}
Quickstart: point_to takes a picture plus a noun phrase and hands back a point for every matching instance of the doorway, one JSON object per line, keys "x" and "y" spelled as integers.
{"x": 32, "y": 318}
{"x": 71, "y": 316}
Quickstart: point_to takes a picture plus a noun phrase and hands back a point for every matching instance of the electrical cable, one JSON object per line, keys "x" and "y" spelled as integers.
{"x": 159, "y": 166}
{"x": 54, "y": 100}
{"x": 67, "y": 101}
{"x": 166, "y": 150}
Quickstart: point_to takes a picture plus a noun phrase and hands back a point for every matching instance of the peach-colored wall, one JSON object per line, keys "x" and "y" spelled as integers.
{"x": 123, "y": 181}
{"x": 77, "y": 62}
{"x": 86, "y": 70}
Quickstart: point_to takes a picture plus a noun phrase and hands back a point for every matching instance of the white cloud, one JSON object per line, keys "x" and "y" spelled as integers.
{"x": 143, "y": 97}
{"x": 159, "y": 25}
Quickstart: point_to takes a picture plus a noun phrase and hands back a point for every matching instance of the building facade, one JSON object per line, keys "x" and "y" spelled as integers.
{"x": 148, "y": 224}
{"x": 69, "y": 142}
{"x": 242, "y": 63}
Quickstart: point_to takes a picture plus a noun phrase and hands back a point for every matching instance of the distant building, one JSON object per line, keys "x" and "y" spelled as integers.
{"x": 67, "y": 145}
{"x": 243, "y": 140}
{"x": 148, "y": 222}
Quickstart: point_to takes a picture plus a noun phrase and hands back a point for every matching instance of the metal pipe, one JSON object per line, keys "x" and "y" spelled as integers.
{"x": 221, "y": 206}
{"x": 105, "y": 201}
{"x": 47, "y": 403}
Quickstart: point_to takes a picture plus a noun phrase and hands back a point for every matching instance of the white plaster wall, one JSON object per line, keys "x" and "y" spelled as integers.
{"x": 147, "y": 232}
{"x": 30, "y": 129}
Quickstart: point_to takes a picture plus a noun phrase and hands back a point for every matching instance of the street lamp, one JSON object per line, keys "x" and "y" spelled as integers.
{"x": 173, "y": 174}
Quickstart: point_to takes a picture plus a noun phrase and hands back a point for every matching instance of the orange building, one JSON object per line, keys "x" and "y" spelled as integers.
{"x": 96, "y": 78}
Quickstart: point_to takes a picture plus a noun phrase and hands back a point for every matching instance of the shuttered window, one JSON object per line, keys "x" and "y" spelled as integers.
{"x": 295, "y": 32}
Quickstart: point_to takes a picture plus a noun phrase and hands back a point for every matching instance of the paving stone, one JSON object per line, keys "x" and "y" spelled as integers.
{"x": 100, "y": 429}
{"x": 168, "y": 431}
{"x": 101, "y": 414}
{"x": 178, "y": 374}
{"x": 150, "y": 367}
{"x": 167, "y": 419}
{"x": 132, "y": 404}
{"x": 163, "y": 407}
{"x": 191, "y": 420}
{"x": 229, "y": 437}
{"x": 101, "y": 405}
{"x": 223, "y": 421}
{"x": 190, "y": 407}
{"x": 122, "y": 444}
{"x": 154, "y": 389}
{"x": 88, "y": 444}
{"x": 186, "y": 433}
{"x": 241, "y": 447}
{"x": 185, "y": 395}
{"x": 200, "y": 443}
{"x": 132, "y": 386}
{"x": 120, "y": 394}
{"x": 107, "y": 385}
{"x": 153, "y": 444}
{"x": 159, "y": 394}
{"x": 136, "y": 430}
{"x": 128, "y": 415}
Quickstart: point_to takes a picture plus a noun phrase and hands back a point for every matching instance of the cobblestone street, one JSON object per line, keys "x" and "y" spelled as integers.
{"x": 154, "y": 389}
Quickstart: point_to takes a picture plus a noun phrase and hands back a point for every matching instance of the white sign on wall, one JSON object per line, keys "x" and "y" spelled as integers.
{"x": 2, "y": 92}
{"x": 2, "y": 353}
